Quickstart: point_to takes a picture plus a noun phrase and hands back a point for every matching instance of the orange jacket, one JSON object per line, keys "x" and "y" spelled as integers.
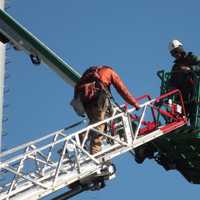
{"x": 109, "y": 77}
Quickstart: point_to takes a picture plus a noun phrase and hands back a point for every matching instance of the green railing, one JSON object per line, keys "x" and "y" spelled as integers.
{"x": 181, "y": 148}
{"x": 193, "y": 101}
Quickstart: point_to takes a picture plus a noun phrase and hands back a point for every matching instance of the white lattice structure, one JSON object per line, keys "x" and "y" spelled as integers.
{"x": 42, "y": 166}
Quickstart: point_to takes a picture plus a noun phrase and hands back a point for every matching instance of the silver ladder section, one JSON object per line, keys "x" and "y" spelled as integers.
{"x": 43, "y": 166}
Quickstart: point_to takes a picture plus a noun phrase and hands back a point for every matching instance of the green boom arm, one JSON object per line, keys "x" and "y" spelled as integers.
{"x": 22, "y": 39}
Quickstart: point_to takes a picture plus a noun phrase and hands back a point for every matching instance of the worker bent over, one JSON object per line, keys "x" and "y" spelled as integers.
{"x": 93, "y": 89}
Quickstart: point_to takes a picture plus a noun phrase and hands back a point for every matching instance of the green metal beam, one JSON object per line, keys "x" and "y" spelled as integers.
{"x": 26, "y": 41}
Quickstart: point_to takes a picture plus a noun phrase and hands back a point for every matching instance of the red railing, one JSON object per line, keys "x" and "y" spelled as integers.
{"x": 169, "y": 109}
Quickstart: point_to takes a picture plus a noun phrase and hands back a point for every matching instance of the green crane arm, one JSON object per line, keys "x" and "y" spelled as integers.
{"x": 22, "y": 39}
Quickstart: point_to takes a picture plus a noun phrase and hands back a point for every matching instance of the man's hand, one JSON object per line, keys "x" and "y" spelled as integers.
{"x": 137, "y": 106}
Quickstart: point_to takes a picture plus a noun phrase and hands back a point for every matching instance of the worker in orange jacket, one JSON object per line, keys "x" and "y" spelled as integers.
{"x": 93, "y": 90}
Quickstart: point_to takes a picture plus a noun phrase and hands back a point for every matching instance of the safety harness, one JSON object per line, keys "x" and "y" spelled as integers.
{"x": 88, "y": 89}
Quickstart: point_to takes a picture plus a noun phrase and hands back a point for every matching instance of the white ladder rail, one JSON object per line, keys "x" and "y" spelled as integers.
{"x": 6, "y": 163}
{"x": 75, "y": 163}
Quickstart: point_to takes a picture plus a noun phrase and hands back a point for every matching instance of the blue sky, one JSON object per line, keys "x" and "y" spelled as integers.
{"x": 132, "y": 37}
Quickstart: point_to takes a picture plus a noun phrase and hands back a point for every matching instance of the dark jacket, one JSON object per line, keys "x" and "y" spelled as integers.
{"x": 184, "y": 79}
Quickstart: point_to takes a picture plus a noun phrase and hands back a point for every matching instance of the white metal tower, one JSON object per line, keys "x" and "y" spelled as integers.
{"x": 2, "y": 70}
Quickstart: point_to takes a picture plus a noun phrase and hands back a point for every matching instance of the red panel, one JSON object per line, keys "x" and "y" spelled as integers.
{"x": 172, "y": 126}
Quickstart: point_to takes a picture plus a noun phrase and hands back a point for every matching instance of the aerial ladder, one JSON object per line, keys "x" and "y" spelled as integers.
{"x": 60, "y": 159}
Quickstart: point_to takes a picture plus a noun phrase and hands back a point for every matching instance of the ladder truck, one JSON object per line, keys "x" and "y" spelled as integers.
{"x": 40, "y": 167}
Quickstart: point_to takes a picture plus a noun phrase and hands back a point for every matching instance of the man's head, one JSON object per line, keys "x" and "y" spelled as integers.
{"x": 176, "y": 49}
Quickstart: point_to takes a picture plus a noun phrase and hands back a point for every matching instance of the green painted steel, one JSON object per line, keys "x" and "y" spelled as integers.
{"x": 10, "y": 27}
{"x": 195, "y": 100}
{"x": 180, "y": 149}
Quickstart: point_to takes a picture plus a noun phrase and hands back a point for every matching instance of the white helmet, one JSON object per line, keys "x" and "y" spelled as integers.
{"x": 174, "y": 44}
